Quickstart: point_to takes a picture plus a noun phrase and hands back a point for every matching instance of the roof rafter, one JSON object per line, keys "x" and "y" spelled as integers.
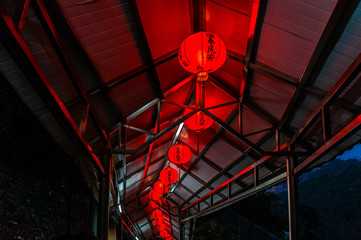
{"x": 330, "y": 36}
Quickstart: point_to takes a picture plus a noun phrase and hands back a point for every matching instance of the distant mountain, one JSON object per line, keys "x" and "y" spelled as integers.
{"x": 330, "y": 198}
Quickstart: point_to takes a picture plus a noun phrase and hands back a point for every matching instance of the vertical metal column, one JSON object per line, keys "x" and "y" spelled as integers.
{"x": 103, "y": 214}
{"x": 200, "y": 94}
{"x": 292, "y": 195}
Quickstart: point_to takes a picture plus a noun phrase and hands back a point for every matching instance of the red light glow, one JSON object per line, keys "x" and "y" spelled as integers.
{"x": 198, "y": 121}
{"x": 160, "y": 187}
{"x": 159, "y": 221}
{"x": 202, "y": 51}
{"x": 161, "y": 227}
{"x": 154, "y": 195}
{"x": 157, "y": 214}
{"x": 168, "y": 175}
{"x": 153, "y": 204}
{"x": 179, "y": 154}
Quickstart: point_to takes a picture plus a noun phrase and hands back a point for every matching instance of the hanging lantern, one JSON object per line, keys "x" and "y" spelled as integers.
{"x": 202, "y": 53}
{"x": 159, "y": 221}
{"x": 161, "y": 227}
{"x": 153, "y": 204}
{"x": 197, "y": 122}
{"x": 179, "y": 154}
{"x": 168, "y": 175}
{"x": 154, "y": 195}
{"x": 164, "y": 234}
{"x": 160, "y": 187}
{"x": 157, "y": 214}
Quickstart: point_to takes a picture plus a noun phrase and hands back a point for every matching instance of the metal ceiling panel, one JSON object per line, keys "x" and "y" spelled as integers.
{"x": 235, "y": 32}
{"x": 290, "y": 33}
{"x": 253, "y": 123}
{"x": 308, "y": 106}
{"x": 230, "y": 74}
{"x": 215, "y": 97}
{"x": 183, "y": 192}
{"x": 346, "y": 50}
{"x": 339, "y": 116}
{"x": 191, "y": 183}
{"x": 270, "y": 93}
{"x": 142, "y": 121}
{"x": 133, "y": 94}
{"x": 178, "y": 97}
{"x": 166, "y": 24}
{"x": 34, "y": 35}
{"x": 106, "y": 31}
{"x": 243, "y": 6}
{"x": 241, "y": 166}
{"x": 204, "y": 171}
{"x": 222, "y": 153}
{"x": 107, "y": 117}
{"x": 170, "y": 73}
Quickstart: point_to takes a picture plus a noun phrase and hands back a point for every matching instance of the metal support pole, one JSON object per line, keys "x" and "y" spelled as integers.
{"x": 255, "y": 176}
{"x": 200, "y": 94}
{"x": 103, "y": 214}
{"x": 292, "y": 195}
{"x": 326, "y": 123}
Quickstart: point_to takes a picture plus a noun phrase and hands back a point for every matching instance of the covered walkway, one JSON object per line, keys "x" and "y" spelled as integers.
{"x": 103, "y": 77}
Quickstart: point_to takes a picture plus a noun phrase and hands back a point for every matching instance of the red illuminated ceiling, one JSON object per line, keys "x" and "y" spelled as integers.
{"x": 107, "y": 71}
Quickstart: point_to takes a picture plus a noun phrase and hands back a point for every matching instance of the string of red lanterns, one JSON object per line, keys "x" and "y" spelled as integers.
{"x": 199, "y": 53}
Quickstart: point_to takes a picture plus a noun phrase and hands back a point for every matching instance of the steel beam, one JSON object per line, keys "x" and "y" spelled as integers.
{"x": 226, "y": 169}
{"x": 257, "y": 16}
{"x": 292, "y": 196}
{"x": 345, "y": 80}
{"x": 273, "y": 181}
{"x": 342, "y": 135}
{"x": 24, "y": 58}
{"x": 53, "y": 37}
{"x": 153, "y": 75}
{"x": 329, "y": 38}
{"x": 206, "y": 148}
{"x": 103, "y": 209}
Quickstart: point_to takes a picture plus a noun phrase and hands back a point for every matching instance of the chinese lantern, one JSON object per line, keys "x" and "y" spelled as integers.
{"x": 153, "y": 204}
{"x": 198, "y": 121}
{"x": 179, "y": 154}
{"x": 154, "y": 195}
{"x": 160, "y": 187}
{"x": 202, "y": 53}
{"x": 168, "y": 175}
{"x": 156, "y": 214}
{"x": 161, "y": 227}
{"x": 164, "y": 234}
{"x": 159, "y": 221}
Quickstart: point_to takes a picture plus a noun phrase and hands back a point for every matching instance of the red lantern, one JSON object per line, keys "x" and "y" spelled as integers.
{"x": 153, "y": 204}
{"x": 157, "y": 214}
{"x": 168, "y": 175}
{"x": 161, "y": 227}
{"x": 202, "y": 52}
{"x": 179, "y": 154}
{"x": 159, "y": 221}
{"x": 164, "y": 234}
{"x": 198, "y": 121}
{"x": 154, "y": 195}
{"x": 160, "y": 187}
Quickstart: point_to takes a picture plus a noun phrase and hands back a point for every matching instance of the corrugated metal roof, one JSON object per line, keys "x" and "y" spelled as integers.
{"x": 282, "y": 72}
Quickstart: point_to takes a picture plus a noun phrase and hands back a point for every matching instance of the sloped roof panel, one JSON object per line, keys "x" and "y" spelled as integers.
{"x": 106, "y": 31}
{"x": 166, "y": 24}
{"x": 290, "y": 33}
{"x": 235, "y": 32}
